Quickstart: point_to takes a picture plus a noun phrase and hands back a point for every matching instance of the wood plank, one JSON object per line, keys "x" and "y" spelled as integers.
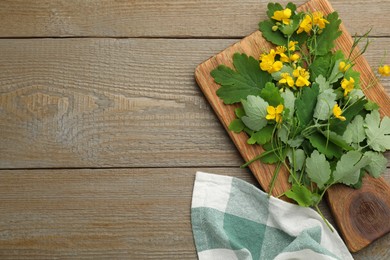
{"x": 164, "y": 18}
{"x": 107, "y": 214}
{"x": 359, "y": 227}
{"x": 112, "y": 103}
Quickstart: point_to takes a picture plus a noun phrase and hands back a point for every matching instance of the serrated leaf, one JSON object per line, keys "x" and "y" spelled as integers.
{"x": 320, "y": 66}
{"x": 322, "y": 83}
{"x": 272, "y": 8}
{"x": 248, "y": 79}
{"x": 276, "y": 37}
{"x": 236, "y": 125}
{"x": 305, "y": 105}
{"x": 264, "y": 135}
{"x": 271, "y": 94}
{"x": 325, "y": 41}
{"x": 289, "y": 101}
{"x": 355, "y": 131}
{"x": 255, "y": 112}
{"x": 348, "y": 167}
{"x": 378, "y": 163}
{"x": 371, "y": 105}
{"x": 318, "y": 169}
{"x": 325, "y": 102}
{"x": 301, "y": 195}
{"x": 324, "y": 146}
{"x": 378, "y": 133}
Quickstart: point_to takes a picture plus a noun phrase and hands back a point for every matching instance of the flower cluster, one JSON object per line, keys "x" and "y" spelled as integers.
{"x": 303, "y": 102}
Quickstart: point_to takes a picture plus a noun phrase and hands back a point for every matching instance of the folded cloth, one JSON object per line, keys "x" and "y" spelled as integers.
{"x": 232, "y": 219}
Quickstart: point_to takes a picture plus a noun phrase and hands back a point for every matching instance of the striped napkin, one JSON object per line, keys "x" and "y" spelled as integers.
{"x": 232, "y": 219}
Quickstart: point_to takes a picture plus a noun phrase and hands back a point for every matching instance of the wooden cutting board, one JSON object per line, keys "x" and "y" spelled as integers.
{"x": 361, "y": 215}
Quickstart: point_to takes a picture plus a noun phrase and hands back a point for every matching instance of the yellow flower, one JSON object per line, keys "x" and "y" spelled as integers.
{"x": 337, "y": 112}
{"x": 295, "y": 57}
{"x": 319, "y": 20}
{"x": 302, "y": 77}
{"x": 343, "y": 67}
{"x": 384, "y": 70}
{"x": 281, "y": 51}
{"x": 305, "y": 25}
{"x": 282, "y": 16}
{"x": 347, "y": 85}
{"x": 287, "y": 79}
{"x": 268, "y": 62}
{"x": 274, "y": 113}
{"x": 291, "y": 45}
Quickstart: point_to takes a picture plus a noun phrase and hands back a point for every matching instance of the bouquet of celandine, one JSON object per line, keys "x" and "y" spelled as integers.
{"x": 304, "y": 104}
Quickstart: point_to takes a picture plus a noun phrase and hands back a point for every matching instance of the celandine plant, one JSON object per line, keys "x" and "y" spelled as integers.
{"x": 303, "y": 103}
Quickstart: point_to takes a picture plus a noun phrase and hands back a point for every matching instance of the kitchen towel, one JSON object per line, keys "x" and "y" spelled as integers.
{"x": 232, "y": 219}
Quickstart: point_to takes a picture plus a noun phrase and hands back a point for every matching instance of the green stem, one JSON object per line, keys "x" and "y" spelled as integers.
{"x": 274, "y": 177}
{"x": 258, "y": 157}
{"x": 323, "y": 217}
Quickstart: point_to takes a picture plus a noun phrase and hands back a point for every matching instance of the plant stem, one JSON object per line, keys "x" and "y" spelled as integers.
{"x": 258, "y": 157}
{"x": 323, "y": 217}
{"x": 274, "y": 177}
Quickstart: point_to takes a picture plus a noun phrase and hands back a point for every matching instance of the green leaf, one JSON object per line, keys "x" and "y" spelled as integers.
{"x": 318, "y": 169}
{"x": 355, "y": 75}
{"x": 325, "y": 41}
{"x": 240, "y": 112}
{"x": 274, "y": 157}
{"x": 305, "y": 105}
{"x": 355, "y": 95}
{"x": 272, "y": 8}
{"x": 371, "y": 105}
{"x": 338, "y": 126}
{"x": 328, "y": 148}
{"x": 320, "y": 66}
{"x": 289, "y": 101}
{"x": 378, "y": 163}
{"x": 285, "y": 69}
{"x": 378, "y": 133}
{"x": 336, "y": 74}
{"x": 301, "y": 195}
{"x": 299, "y": 156}
{"x": 264, "y": 135}
{"x": 348, "y": 167}
{"x": 325, "y": 102}
{"x": 236, "y": 125}
{"x": 271, "y": 94}
{"x": 256, "y": 111}
{"x": 276, "y": 37}
{"x": 248, "y": 79}
{"x": 337, "y": 140}
{"x": 355, "y": 131}
{"x": 322, "y": 83}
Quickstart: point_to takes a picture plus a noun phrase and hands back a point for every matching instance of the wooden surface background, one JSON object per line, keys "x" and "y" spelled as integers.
{"x": 102, "y": 126}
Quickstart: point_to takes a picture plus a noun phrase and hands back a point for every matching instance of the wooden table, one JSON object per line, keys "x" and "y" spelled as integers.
{"x": 102, "y": 126}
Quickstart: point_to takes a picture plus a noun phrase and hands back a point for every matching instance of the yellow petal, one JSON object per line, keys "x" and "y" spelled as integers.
{"x": 279, "y": 109}
{"x": 271, "y": 110}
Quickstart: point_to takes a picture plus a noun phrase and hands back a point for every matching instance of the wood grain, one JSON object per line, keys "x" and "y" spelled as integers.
{"x": 356, "y": 236}
{"x": 112, "y": 103}
{"x": 164, "y": 18}
{"x": 98, "y": 214}
{"x": 106, "y": 214}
